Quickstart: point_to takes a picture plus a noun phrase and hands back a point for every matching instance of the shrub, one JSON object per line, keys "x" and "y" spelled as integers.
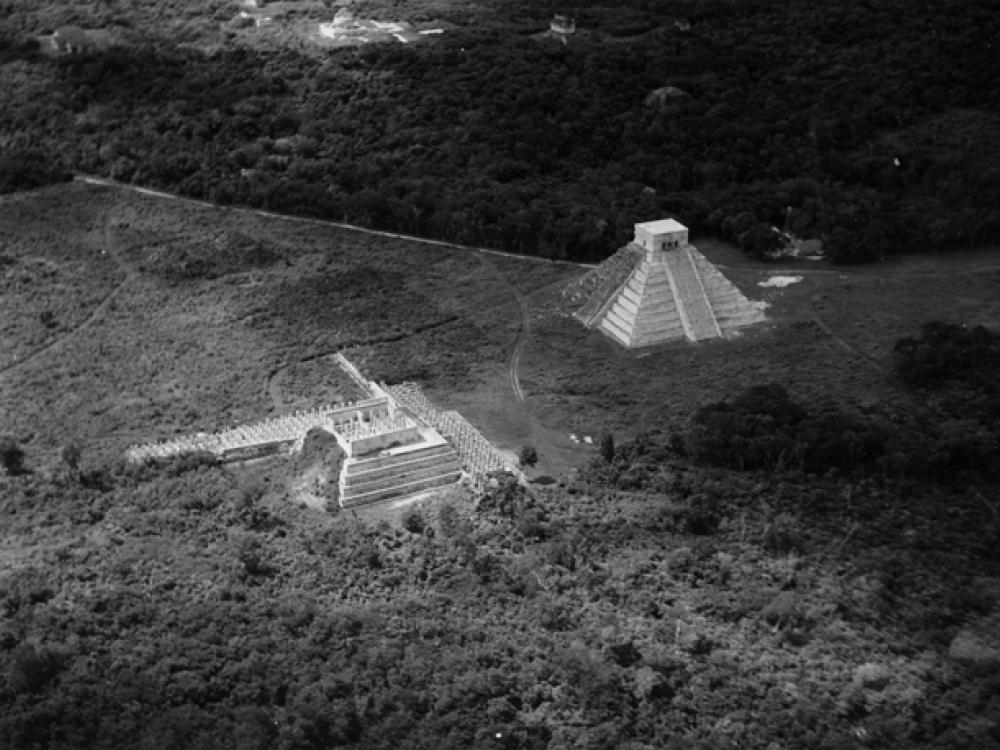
{"x": 528, "y": 455}
{"x": 11, "y": 456}
{"x": 783, "y": 534}
{"x": 70, "y": 455}
{"x": 606, "y": 446}
{"x": 371, "y": 555}
{"x": 703, "y": 516}
{"x": 250, "y": 555}
{"x": 413, "y": 521}
{"x": 34, "y": 667}
{"x": 447, "y": 519}
{"x": 948, "y": 352}
{"x": 27, "y": 170}
{"x": 509, "y": 497}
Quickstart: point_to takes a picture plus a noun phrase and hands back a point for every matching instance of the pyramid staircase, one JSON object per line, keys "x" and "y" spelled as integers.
{"x": 395, "y": 473}
{"x": 732, "y": 310}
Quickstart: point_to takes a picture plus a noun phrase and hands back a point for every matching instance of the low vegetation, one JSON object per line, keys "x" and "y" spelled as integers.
{"x": 652, "y": 600}
{"x": 29, "y": 169}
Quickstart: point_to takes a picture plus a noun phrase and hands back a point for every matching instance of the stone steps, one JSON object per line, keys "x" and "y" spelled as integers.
{"x": 401, "y": 490}
{"x": 601, "y": 282}
{"x": 407, "y": 473}
{"x": 369, "y": 480}
{"x": 696, "y": 308}
{"x": 731, "y": 308}
{"x": 644, "y": 311}
{"x": 367, "y": 464}
{"x": 420, "y": 460}
{"x": 615, "y": 331}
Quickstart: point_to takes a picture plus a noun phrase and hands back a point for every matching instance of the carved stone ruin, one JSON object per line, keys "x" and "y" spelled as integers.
{"x": 395, "y": 442}
{"x": 660, "y": 289}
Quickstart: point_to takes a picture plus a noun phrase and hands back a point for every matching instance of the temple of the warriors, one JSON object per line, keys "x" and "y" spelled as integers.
{"x": 395, "y": 443}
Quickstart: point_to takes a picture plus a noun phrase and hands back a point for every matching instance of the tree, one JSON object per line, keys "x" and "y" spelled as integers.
{"x": 413, "y": 521}
{"x": 528, "y": 455}
{"x": 607, "y": 446}
{"x": 247, "y": 504}
{"x": 761, "y": 240}
{"x": 70, "y": 455}
{"x": 11, "y": 456}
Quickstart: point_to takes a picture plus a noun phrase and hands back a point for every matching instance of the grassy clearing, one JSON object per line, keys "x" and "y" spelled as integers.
{"x": 219, "y": 301}
{"x": 53, "y": 271}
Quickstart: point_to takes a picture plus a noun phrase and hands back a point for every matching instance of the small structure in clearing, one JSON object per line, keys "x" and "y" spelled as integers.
{"x": 259, "y": 18}
{"x": 68, "y": 40}
{"x": 347, "y": 30}
{"x": 661, "y": 96}
{"x": 562, "y": 27}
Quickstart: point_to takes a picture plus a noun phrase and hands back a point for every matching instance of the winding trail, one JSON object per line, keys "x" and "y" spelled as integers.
{"x": 844, "y": 344}
{"x": 522, "y": 333}
{"x": 95, "y": 314}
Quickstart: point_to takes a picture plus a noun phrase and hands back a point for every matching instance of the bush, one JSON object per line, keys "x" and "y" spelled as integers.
{"x": 250, "y": 555}
{"x": 764, "y": 429}
{"x": 703, "y": 515}
{"x": 448, "y": 519}
{"x": 783, "y": 534}
{"x": 606, "y": 446}
{"x": 26, "y": 170}
{"x": 11, "y": 456}
{"x": 34, "y": 667}
{"x": 947, "y": 352}
{"x": 413, "y": 521}
{"x": 71, "y": 454}
{"x": 528, "y": 455}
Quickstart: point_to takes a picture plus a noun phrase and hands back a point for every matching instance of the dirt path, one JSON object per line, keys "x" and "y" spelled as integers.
{"x": 92, "y": 180}
{"x": 522, "y": 334}
{"x": 845, "y": 345}
{"x": 96, "y": 313}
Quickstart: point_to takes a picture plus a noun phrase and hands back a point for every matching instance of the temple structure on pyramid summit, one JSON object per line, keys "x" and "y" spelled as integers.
{"x": 658, "y": 289}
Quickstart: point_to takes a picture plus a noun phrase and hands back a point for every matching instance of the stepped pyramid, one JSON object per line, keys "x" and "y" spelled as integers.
{"x": 658, "y": 289}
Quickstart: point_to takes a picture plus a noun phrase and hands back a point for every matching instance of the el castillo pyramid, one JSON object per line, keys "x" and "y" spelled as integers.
{"x": 659, "y": 288}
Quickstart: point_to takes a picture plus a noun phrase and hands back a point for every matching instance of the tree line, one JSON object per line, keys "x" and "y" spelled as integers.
{"x": 867, "y": 125}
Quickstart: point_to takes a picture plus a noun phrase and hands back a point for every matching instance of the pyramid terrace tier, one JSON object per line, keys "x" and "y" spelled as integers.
{"x": 668, "y": 295}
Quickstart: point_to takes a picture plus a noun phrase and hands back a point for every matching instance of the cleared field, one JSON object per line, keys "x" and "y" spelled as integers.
{"x": 173, "y": 317}
{"x": 214, "y": 302}
{"x": 53, "y": 272}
